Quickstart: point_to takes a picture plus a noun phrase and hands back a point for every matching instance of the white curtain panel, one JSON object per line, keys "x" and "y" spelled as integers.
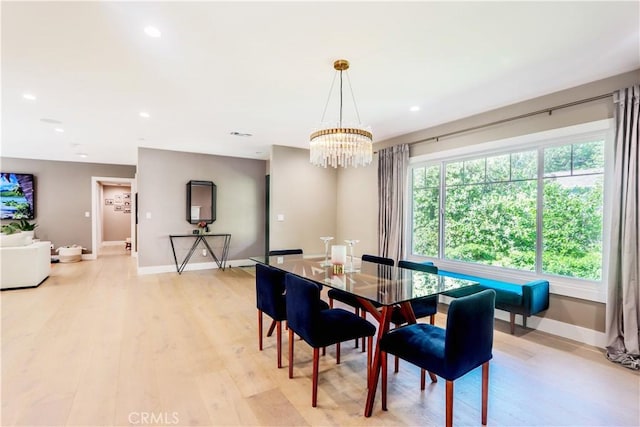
{"x": 623, "y": 302}
{"x": 393, "y": 163}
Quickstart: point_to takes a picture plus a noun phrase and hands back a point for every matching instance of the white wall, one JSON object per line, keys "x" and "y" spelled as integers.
{"x": 306, "y": 196}
{"x": 162, "y": 198}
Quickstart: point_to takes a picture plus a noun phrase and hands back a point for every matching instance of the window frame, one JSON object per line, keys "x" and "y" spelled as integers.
{"x": 561, "y": 285}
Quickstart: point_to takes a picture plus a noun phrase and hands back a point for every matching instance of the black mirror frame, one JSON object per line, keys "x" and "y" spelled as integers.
{"x": 214, "y": 190}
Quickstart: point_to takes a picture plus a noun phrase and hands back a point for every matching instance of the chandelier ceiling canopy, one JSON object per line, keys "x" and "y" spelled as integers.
{"x": 339, "y": 144}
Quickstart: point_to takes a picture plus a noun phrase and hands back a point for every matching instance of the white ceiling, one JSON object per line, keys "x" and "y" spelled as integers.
{"x": 265, "y": 68}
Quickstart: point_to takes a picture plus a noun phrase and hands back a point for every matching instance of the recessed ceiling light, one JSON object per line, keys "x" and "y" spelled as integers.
{"x": 83, "y": 155}
{"x": 415, "y": 108}
{"x": 59, "y": 130}
{"x": 152, "y": 31}
{"x": 145, "y": 114}
{"x": 240, "y": 134}
{"x": 29, "y": 96}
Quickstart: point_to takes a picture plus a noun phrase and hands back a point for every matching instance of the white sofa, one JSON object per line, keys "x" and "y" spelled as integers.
{"x": 24, "y": 266}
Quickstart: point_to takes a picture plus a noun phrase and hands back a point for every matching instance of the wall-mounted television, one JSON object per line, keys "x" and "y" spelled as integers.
{"x": 17, "y": 196}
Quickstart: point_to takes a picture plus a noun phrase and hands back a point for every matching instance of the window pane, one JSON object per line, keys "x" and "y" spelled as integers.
{"x": 454, "y": 173}
{"x": 572, "y": 226}
{"x": 426, "y": 205}
{"x": 474, "y": 171}
{"x": 524, "y": 165}
{"x": 418, "y": 178}
{"x": 433, "y": 176}
{"x": 492, "y": 224}
{"x": 588, "y": 157}
{"x": 557, "y": 161}
{"x": 498, "y": 168}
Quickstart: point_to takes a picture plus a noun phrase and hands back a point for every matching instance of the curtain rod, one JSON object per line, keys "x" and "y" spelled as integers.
{"x": 509, "y": 119}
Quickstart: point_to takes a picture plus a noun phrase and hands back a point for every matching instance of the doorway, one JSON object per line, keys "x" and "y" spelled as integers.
{"x": 113, "y": 228}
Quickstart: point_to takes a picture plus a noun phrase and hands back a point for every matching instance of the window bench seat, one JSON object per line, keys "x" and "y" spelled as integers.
{"x": 527, "y": 299}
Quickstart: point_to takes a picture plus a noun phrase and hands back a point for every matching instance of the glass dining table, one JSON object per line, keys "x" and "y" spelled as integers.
{"x": 379, "y": 288}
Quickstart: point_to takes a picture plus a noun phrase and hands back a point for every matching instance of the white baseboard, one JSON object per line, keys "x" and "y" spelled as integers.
{"x": 565, "y": 330}
{"x": 553, "y": 327}
{"x": 171, "y": 268}
{"x": 113, "y": 243}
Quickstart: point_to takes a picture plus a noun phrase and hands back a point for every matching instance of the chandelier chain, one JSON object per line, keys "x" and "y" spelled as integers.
{"x": 326, "y": 105}
{"x": 353, "y": 98}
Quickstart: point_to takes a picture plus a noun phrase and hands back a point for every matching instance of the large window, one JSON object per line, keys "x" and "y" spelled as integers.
{"x": 536, "y": 210}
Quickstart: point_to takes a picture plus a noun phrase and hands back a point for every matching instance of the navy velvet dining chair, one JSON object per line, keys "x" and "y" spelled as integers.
{"x": 349, "y": 299}
{"x": 422, "y": 307}
{"x": 320, "y": 328}
{"x": 271, "y": 300}
{"x": 451, "y": 352}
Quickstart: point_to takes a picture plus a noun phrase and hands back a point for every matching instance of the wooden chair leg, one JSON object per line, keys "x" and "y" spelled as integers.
{"x": 316, "y": 361}
{"x": 396, "y": 366}
{"x": 423, "y": 375}
{"x": 330, "y": 302}
{"x": 512, "y": 320}
{"x": 524, "y": 321}
{"x": 279, "y": 343}
{"x": 260, "y": 329}
{"x": 485, "y": 391}
{"x": 363, "y": 314}
{"x": 357, "y": 313}
{"x": 432, "y": 319}
{"x": 383, "y": 366}
{"x": 271, "y": 328}
{"x": 291, "y": 353}
{"x": 337, "y": 353}
{"x": 449, "y": 398}
{"x": 369, "y": 357}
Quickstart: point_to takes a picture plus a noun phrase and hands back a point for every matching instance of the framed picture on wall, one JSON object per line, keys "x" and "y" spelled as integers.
{"x": 118, "y": 207}
{"x": 127, "y": 209}
{"x": 118, "y": 199}
{"x": 126, "y": 196}
{"x": 108, "y": 202}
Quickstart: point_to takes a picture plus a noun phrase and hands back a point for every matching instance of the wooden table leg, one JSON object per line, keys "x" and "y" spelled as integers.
{"x": 385, "y": 320}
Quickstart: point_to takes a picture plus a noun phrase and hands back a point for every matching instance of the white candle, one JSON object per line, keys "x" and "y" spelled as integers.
{"x": 339, "y": 254}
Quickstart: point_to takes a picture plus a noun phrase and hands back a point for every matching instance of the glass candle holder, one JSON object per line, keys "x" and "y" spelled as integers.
{"x": 326, "y": 241}
{"x": 351, "y": 244}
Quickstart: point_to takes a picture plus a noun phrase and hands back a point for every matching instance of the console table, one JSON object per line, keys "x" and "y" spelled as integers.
{"x": 197, "y": 238}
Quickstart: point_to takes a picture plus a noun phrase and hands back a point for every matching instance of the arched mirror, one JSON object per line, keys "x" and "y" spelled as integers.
{"x": 201, "y": 202}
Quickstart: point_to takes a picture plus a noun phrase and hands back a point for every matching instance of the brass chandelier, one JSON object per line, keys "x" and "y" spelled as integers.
{"x": 337, "y": 144}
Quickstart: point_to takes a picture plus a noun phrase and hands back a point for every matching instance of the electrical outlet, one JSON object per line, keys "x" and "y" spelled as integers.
{"x": 204, "y": 252}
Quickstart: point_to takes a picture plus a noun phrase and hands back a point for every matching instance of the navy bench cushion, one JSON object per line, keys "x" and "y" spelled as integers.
{"x": 506, "y": 293}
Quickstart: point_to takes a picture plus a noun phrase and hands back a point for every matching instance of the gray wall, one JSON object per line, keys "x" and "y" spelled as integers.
{"x": 162, "y": 178}
{"x": 116, "y": 224}
{"x": 63, "y": 195}
{"x": 588, "y": 314}
{"x": 306, "y": 196}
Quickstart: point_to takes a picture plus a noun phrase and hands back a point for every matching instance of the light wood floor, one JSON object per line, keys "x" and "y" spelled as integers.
{"x": 98, "y": 345}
